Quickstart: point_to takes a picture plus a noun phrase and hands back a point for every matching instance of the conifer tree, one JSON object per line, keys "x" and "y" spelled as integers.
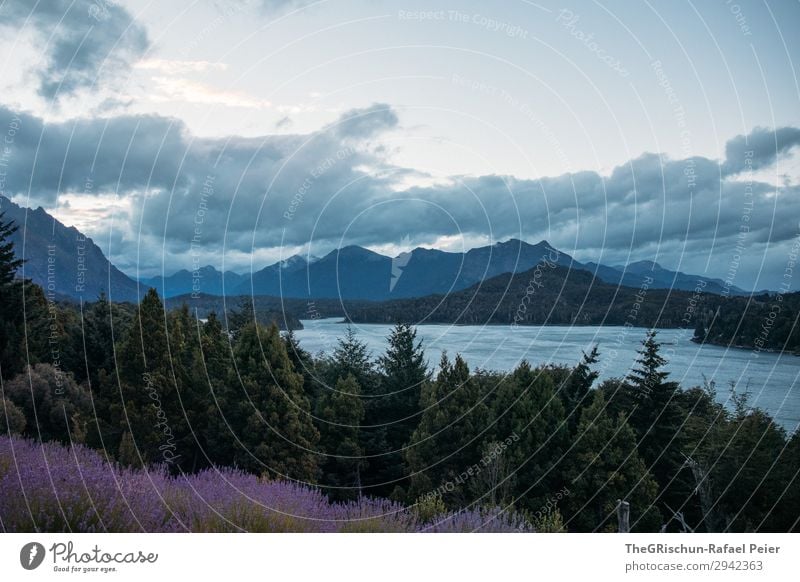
{"x": 574, "y": 392}
{"x": 393, "y": 413}
{"x": 657, "y": 419}
{"x": 447, "y": 441}
{"x": 341, "y": 413}
{"x": 527, "y": 411}
{"x": 268, "y": 413}
{"x": 10, "y": 303}
{"x": 604, "y": 467}
{"x": 147, "y": 395}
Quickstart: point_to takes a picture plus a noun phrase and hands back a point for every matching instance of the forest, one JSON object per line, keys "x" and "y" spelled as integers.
{"x": 178, "y": 410}
{"x": 550, "y": 294}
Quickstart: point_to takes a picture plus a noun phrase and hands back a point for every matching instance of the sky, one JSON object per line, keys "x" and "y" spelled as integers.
{"x": 248, "y": 131}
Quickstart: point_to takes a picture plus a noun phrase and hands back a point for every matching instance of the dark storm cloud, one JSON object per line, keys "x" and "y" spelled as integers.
{"x": 239, "y": 195}
{"x": 79, "y": 40}
{"x": 760, "y": 148}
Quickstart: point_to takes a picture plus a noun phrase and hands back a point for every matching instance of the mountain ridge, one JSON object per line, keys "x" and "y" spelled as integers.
{"x": 351, "y": 272}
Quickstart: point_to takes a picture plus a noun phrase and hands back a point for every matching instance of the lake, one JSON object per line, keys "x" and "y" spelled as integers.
{"x": 773, "y": 380}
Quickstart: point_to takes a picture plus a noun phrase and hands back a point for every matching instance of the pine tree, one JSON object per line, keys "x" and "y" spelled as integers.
{"x": 341, "y": 413}
{"x": 656, "y": 416}
{"x": 147, "y": 398}
{"x": 403, "y": 373}
{"x": 574, "y": 392}
{"x": 603, "y": 467}
{"x": 268, "y": 413}
{"x": 527, "y": 411}
{"x": 447, "y": 441}
{"x": 352, "y": 357}
{"x": 393, "y": 414}
{"x": 746, "y": 474}
{"x": 10, "y": 303}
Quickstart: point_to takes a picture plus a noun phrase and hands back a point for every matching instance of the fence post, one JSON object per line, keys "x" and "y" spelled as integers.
{"x": 623, "y": 516}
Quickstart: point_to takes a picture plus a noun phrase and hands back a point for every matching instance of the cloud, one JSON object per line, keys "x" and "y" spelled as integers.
{"x": 759, "y": 149}
{"x": 174, "y": 67}
{"x": 243, "y": 198}
{"x": 80, "y": 41}
{"x": 179, "y": 89}
{"x": 364, "y": 123}
{"x": 281, "y": 5}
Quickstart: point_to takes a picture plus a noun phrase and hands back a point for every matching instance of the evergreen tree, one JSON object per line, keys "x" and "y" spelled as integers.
{"x": 447, "y": 441}
{"x": 746, "y": 474}
{"x": 147, "y": 393}
{"x": 656, "y": 416}
{"x": 785, "y": 514}
{"x": 213, "y": 373}
{"x": 352, "y": 357}
{"x": 304, "y": 364}
{"x": 403, "y": 373}
{"x": 527, "y": 410}
{"x": 393, "y": 414}
{"x": 267, "y": 411}
{"x": 574, "y": 392}
{"x": 604, "y": 467}
{"x": 341, "y": 414}
{"x": 11, "y": 311}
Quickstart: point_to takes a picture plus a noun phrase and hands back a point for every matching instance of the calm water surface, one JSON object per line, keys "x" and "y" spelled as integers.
{"x": 773, "y": 380}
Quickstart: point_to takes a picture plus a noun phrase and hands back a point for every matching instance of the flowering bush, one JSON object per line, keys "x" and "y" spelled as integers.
{"x": 51, "y": 488}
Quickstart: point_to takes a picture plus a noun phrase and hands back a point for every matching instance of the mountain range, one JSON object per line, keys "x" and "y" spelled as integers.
{"x": 71, "y": 265}
{"x": 356, "y": 273}
{"x": 65, "y": 262}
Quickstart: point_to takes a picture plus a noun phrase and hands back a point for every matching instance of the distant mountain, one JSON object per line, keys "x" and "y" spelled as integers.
{"x": 631, "y": 276}
{"x": 62, "y": 260}
{"x": 357, "y": 273}
{"x": 206, "y": 280}
{"x": 563, "y": 296}
{"x": 78, "y": 268}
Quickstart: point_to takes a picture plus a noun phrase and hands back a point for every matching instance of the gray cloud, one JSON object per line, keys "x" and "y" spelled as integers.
{"x": 81, "y": 40}
{"x": 364, "y": 123}
{"x": 760, "y": 148}
{"x": 279, "y": 5}
{"x": 334, "y": 187}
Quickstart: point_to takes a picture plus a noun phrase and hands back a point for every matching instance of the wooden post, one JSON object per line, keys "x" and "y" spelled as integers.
{"x": 623, "y": 516}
